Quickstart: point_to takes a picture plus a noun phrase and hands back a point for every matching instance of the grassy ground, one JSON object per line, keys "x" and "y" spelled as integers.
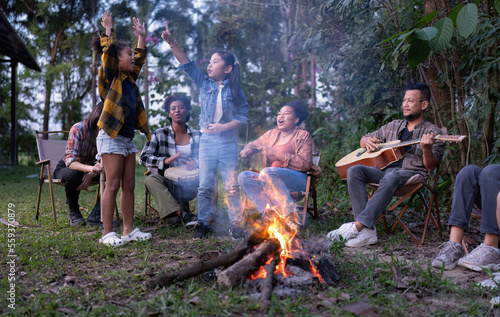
{"x": 61, "y": 270}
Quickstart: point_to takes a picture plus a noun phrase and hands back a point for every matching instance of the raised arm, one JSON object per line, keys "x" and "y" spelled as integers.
{"x": 141, "y": 30}
{"x": 176, "y": 50}
{"x": 107, "y": 22}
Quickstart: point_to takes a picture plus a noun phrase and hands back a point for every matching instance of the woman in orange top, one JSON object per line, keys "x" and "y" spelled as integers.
{"x": 287, "y": 152}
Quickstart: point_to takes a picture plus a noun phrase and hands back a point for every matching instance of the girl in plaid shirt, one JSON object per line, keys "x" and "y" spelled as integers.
{"x": 123, "y": 112}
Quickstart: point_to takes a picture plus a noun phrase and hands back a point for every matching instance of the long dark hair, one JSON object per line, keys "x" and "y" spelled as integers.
{"x": 182, "y": 98}
{"x": 90, "y": 133}
{"x": 234, "y": 75}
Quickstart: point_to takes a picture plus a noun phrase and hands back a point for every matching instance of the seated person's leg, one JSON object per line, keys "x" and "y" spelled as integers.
{"x": 278, "y": 183}
{"x": 465, "y": 194}
{"x": 251, "y": 186}
{"x": 72, "y": 180}
{"x": 487, "y": 255}
{"x": 357, "y": 178}
{"x": 166, "y": 204}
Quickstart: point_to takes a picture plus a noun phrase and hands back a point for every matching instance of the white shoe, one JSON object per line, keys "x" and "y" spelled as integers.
{"x": 365, "y": 237}
{"x": 346, "y": 231}
{"x": 137, "y": 235}
{"x": 111, "y": 239}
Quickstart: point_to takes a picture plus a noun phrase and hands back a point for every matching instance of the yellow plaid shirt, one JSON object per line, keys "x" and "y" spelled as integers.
{"x": 110, "y": 88}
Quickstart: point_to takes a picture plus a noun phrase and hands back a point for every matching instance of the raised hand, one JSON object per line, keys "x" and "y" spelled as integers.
{"x": 167, "y": 35}
{"x": 107, "y": 20}
{"x": 140, "y": 28}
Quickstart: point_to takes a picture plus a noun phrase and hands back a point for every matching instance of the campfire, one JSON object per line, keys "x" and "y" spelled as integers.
{"x": 271, "y": 254}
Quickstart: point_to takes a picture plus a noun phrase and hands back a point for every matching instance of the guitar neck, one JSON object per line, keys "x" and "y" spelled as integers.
{"x": 445, "y": 138}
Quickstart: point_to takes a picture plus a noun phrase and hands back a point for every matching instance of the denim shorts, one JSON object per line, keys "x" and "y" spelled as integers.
{"x": 119, "y": 145}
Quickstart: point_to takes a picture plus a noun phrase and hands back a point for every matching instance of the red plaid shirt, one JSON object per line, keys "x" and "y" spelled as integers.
{"x": 75, "y": 146}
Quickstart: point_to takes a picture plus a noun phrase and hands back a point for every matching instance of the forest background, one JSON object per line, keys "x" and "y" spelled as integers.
{"x": 347, "y": 59}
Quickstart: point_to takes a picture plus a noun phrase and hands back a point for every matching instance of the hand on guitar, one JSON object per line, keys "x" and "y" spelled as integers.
{"x": 370, "y": 143}
{"x": 427, "y": 141}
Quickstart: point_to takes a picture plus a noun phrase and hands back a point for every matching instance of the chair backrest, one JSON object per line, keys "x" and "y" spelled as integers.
{"x": 316, "y": 157}
{"x": 51, "y": 149}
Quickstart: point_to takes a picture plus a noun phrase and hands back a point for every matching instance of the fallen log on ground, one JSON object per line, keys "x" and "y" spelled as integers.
{"x": 241, "y": 270}
{"x": 166, "y": 279}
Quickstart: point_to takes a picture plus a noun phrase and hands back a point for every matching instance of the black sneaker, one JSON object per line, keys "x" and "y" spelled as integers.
{"x": 201, "y": 231}
{"x": 75, "y": 218}
{"x": 237, "y": 233}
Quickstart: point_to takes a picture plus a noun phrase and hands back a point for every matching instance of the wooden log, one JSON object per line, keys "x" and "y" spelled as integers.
{"x": 166, "y": 279}
{"x": 241, "y": 270}
{"x": 266, "y": 289}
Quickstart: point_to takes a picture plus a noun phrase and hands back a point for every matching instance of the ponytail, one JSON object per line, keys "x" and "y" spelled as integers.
{"x": 235, "y": 74}
{"x": 235, "y": 81}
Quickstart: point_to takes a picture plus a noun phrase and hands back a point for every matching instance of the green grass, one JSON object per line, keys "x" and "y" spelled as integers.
{"x": 61, "y": 270}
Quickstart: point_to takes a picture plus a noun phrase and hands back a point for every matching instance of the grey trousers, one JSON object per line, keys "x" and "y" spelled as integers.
{"x": 389, "y": 180}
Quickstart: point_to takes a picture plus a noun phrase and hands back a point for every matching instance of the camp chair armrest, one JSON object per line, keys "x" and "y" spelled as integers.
{"x": 147, "y": 173}
{"x": 44, "y": 162}
{"x": 254, "y": 170}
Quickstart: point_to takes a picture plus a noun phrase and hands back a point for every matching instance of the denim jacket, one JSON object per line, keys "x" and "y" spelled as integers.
{"x": 209, "y": 89}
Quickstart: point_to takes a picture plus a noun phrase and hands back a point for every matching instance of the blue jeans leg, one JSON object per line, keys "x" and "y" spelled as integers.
{"x": 489, "y": 184}
{"x": 465, "y": 194}
{"x": 278, "y": 183}
{"x": 251, "y": 186}
{"x": 208, "y": 170}
{"x": 228, "y": 163}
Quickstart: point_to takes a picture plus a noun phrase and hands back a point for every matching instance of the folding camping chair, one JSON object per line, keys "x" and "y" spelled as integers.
{"x": 415, "y": 186}
{"x": 50, "y": 152}
{"x": 310, "y": 191}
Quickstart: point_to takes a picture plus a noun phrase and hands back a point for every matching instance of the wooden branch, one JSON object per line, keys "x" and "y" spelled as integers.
{"x": 241, "y": 270}
{"x": 166, "y": 279}
{"x": 266, "y": 289}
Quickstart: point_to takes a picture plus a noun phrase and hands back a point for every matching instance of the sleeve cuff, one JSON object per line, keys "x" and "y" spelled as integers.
{"x": 187, "y": 65}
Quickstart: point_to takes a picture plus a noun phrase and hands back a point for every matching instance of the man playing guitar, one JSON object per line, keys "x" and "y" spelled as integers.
{"x": 419, "y": 159}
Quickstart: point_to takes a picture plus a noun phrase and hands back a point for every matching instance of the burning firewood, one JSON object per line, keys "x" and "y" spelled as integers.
{"x": 166, "y": 279}
{"x": 266, "y": 289}
{"x": 241, "y": 270}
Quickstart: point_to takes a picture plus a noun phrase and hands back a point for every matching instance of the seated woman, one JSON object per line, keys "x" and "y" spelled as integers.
{"x": 79, "y": 167}
{"x": 287, "y": 153}
{"x": 173, "y": 145}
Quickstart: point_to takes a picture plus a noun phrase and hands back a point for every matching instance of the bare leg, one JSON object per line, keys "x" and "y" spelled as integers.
{"x": 113, "y": 167}
{"x": 456, "y": 234}
{"x": 127, "y": 195}
{"x": 491, "y": 240}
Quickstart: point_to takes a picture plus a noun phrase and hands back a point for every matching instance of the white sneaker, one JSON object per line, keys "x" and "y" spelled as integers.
{"x": 365, "y": 237}
{"x": 137, "y": 235}
{"x": 346, "y": 231}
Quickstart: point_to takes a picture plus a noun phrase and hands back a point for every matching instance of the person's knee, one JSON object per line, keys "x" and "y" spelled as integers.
{"x": 244, "y": 177}
{"x": 489, "y": 175}
{"x": 468, "y": 172}
{"x": 267, "y": 174}
{"x": 354, "y": 171}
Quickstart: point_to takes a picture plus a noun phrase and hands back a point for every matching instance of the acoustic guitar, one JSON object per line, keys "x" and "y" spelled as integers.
{"x": 387, "y": 154}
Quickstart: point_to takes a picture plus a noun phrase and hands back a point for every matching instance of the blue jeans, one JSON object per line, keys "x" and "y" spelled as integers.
{"x": 272, "y": 187}
{"x": 480, "y": 187}
{"x": 218, "y": 150}
{"x": 389, "y": 180}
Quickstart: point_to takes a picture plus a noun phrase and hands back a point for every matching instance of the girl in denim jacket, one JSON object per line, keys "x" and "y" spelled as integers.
{"x": 223, "y": 109}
